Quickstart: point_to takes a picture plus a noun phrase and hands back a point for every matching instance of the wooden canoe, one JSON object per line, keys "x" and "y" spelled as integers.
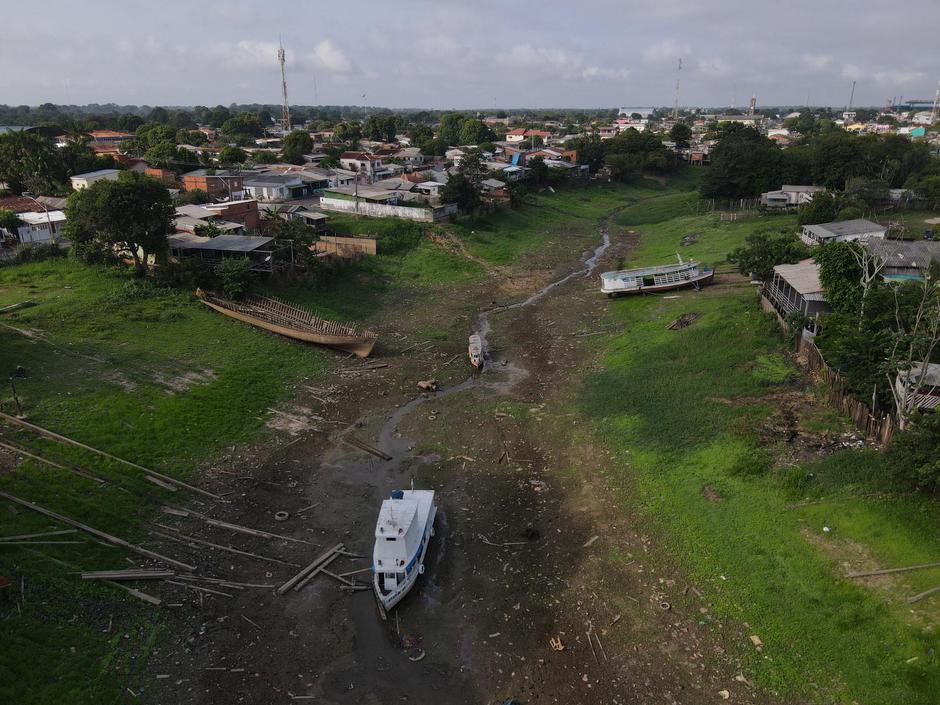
{"x": 293, "y": 322}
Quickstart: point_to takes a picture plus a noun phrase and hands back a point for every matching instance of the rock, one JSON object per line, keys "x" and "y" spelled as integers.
{"x": 428, "y": 385}
{"x": 724, "y": 694}
{"x": 756, "y": 641}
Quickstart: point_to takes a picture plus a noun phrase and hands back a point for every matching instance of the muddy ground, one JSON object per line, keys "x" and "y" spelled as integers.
{"x": 529, "y": 545}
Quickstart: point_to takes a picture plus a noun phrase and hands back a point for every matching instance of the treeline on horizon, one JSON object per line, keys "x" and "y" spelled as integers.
{"x": 128, "y": 117}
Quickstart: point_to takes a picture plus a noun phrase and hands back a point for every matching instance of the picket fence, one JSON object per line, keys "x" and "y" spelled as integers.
{"x": 880, "y": 429}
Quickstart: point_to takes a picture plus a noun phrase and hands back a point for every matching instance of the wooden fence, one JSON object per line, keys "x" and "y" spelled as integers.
{"x": 879, "y": 429}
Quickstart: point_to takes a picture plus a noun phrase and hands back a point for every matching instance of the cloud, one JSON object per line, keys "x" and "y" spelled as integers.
{"x": 326, "y": 56}
{"x": 851, "y": 72}
{"x": 816, "y": 62}
{"x": 714, "y": 67}
{"x": 245, "y": 54}
{"x": 668, "y": 51}
{"x": 555, "y": 63}
{"x": 899, "y": 77}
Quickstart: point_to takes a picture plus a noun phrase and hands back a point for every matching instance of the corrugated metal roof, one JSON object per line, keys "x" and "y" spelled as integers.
{"x": 803, "y": 277}
{"x": 222, "y": 243}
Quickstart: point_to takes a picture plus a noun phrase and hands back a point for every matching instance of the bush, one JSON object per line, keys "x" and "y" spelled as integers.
{"x": 234, "y": 277}
{"x": 912, "y": 457}
{"x": 34, "y": 253}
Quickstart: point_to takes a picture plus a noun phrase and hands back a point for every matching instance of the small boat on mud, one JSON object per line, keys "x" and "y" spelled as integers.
{"x": 665, "y": 277}
{"x": 294, "y": 322}
{"x": 475, "y": 351}
{"x": 402, "y": 533}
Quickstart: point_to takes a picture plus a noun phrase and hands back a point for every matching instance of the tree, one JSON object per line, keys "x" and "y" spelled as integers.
{"x": 243, "y": 124}
{"x": 9, "y": 221}
{"x": 743, "y": 164}
{"x": 449, "y": 130}
{"x": 590, "y": 151}
{"x": 681, "y": 134}
{"x": 912, "y": 456}
{"x": 472, "y": 167}
{"x": 538, "y": 170}
{"x": 164, "y": 154}
{"x": 132, "y": 215}
{"x": 232, "y": 155}
{"x": 823, "y": 208}
{"x": 296, "y": 145}
{"x": 474, "y": 131}
{"x": 194, "y": 197}
{"x": 29, "y": 162}
{"x": 765, "y": 250}
{"x": 460, "y": 190}
{"x": 234, "y": 276}
{"x": 625, "y": 168}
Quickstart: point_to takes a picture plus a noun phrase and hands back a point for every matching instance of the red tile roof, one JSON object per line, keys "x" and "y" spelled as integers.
{"x": 105, "y": 134}
{"x": 21, "y": 204}
{"x": 517, "y": 131}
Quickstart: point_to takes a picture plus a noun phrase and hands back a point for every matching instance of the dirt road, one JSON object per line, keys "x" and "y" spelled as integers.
{"x": 529, "y": 544}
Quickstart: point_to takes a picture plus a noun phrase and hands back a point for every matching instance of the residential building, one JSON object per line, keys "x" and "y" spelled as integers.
{"x": 362, "y": 163}
{"x": 904, "y": 259}
{"x": 110, "y": 136}
{"x": 276, "y": 187}
{"x": 789, "y": 196}
{"x": 796, "y": 288}
{"x": 842, "y": 231}
{"x": 522, "y": 134}
{"x": 924, "y": 385}
{"x": 80, "y": 181}
{"x": 165, "y": 175}
{"x": 410, "y": 155}
{"x": 244, "y": 212}
{"x": 217, "y": 183}
{"x": 643, "y": 112}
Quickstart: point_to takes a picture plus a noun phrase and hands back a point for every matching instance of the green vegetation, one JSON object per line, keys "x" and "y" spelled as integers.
{"x": 686, "y": 413}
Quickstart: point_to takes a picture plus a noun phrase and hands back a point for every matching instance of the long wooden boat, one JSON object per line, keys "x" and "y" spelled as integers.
{"x": 664, "y": 277}
{"x": 293, "y": 322}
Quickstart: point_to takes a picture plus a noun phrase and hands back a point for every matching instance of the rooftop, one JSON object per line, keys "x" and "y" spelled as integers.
{"x": 92, "y": 174}
{"x": 845, "y": 228}
{"x": 222, "y": 243}
{"x": 802, "y": 276}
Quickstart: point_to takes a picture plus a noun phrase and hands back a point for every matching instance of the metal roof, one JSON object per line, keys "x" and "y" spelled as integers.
{"x": 915, "y": 254}
{"x": 222, "y": 243}
{"x": 99, "y": 172}
{"x": 803, "y": 277}
{"x": 845, "y": 228}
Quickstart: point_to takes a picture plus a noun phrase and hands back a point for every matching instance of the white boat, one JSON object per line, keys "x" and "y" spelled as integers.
{"x": 664, "y": 277}
{"x": 402, "y": 534}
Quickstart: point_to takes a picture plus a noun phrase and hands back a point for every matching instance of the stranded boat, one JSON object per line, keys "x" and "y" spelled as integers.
{"x": 475, "y": 351}
{"x": 402, "y": 533}
{"x": 665, "y": 277}
{"x": 294, "y": 322}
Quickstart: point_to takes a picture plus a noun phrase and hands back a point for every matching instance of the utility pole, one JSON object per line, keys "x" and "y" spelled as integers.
{"x": 285, "y": 109}
{"x": 851, "y": 97}
{"x": 935, "y": 113}
{"x": 675, "y": 104}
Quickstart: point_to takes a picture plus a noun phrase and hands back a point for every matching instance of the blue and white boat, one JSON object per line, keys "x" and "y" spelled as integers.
{"x": 664, "y": 277}
{"x": 402, "y": 533}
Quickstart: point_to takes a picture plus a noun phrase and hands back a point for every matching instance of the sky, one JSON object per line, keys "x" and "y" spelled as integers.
{"x": 482, "y": 54}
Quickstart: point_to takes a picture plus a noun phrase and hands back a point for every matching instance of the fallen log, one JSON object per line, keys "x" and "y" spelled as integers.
{"x": 289, "y": 584}
{"x": 69, "y": 441}
{"x": 921, "y": 595}
{"x": 107, "y": 538}
{"x": 362, "y": 445}
{"x": 888, "y": 571}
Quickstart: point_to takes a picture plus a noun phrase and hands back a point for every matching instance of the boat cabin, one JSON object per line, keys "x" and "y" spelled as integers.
{"x": 475, "y": 351}
{"x": 658, "y": 278}
{"x": 398, "y": 538}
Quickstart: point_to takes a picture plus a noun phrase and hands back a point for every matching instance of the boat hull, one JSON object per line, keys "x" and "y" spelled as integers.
{"x": 704, "y": 278}
{"x": 388, "y": 600}
{"x": 358, "y": 345}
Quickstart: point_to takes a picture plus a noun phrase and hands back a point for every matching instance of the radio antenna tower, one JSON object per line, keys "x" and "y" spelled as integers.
{"x": 285, "y": 110}
{"x": 675, "y": 104}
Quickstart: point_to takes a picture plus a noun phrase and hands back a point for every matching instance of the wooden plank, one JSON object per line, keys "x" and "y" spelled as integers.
{"x": 107, "y": 538}
{"x": 20, "y": 537}
{"x": 200, "y": 589}
{"x": 129, "y": 574}
{"x": 888, "y": 571}
{"x": 183, "y": 538}
{"x": 362, "y": 445}
{"x": 312, "y": 566}
{"x": 319, "y": 569}
{"x": 17, "y": 448}
{"x": 232, "y": 527}
{"x": 69, "y": 441}
{"x": 38, "y": 543}
{"x": 921, "y": 595}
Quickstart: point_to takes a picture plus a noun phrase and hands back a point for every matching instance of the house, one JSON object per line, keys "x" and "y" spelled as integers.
{"x": 927, "y": 383}
{"x": 904, "y": 259}
{"x": 165, "y": 175}
{"x": 112, "y": 136}
{"x": 606, "y": 132}
{"x": 789, "y": 196}
{"x": 522, "y": 134}
{"x": 643, "y": 112}
{"x": 362, "y": 163}
{"x": 37, "y": 227}
{"x": 217, "y": 183}
{"x": 842, "y": 231}
{"x": 262, "y": 253}
{"x": 410, "y": 155}
{"x": 489, "y": 185}
{"x": 430, "y": 188}
{"x": 795, "y": 287}
{"x": 244, "y": 212}
{"x": 276, "y": 187}
{"x": 80, "y": 181}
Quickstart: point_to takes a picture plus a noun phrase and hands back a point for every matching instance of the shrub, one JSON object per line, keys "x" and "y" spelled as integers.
{"x": 234, "y": 277}
{"x": 912, "y": 457}
{"x": 34, "y": 253}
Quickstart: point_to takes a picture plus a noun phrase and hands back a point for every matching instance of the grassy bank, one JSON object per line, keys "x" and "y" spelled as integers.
{"x": 686, "y": 413}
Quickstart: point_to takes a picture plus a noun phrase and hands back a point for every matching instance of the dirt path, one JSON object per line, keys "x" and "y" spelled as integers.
{"x": 514, "y": 563}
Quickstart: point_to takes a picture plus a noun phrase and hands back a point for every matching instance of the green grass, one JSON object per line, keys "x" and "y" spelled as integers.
{"x": 681, "y": 411}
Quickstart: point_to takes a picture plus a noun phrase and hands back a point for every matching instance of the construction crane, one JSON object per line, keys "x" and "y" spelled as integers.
{"x": 285, "y": 109}
{"x": 675, "y": 104}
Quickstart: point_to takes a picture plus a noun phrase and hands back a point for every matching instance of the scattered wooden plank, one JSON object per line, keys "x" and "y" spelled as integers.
{"x": 354, "y": 572}
{"x": 129, "y": 574}
{"x": 289, "y": 584}
{"x": 108, "y": 538}
{"x": 312, "y": 506}
{"x": 64, "y": 439}
{"x": 17, "y": 306}
{"x": 200, "y": 589}
{"x": 362, "y": 445}
{"x": 17, "y": 448}
{"x": 590, "y": 541}
{"x": 38, "y": 543}
{"x": 311, "y": 575}
{"x": 223, "y": 581}
{"x": 160, "y": 483}
{"x": 232, "y": 527}
{"x": 888, "y": 571}
{"x": 336, "y": 577}
{"x": 20, "y": 537}
{"x": 183, "y": 538}
{"x": 921, "y": 595}
{"x": 501, "y": 545}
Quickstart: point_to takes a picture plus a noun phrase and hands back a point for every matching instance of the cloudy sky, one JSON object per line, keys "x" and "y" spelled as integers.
{"x": 483, "y": 54}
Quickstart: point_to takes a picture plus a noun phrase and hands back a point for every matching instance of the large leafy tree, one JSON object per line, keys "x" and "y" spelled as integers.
{"x": 29, "y": 162}
{"x": 131, "y": 216}
{"x": 296, "y": 145}
{"x": 743, "y": 164}
{"x": 765, "y": 250}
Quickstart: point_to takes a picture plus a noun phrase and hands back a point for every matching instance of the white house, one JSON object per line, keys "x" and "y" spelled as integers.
{"x": 275, "y": 187}
{"x": 789, "y": 196}
{"x": 843, "y": 231}
{"x": 80, "y": 181}
{"x": 40, "y": 227}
